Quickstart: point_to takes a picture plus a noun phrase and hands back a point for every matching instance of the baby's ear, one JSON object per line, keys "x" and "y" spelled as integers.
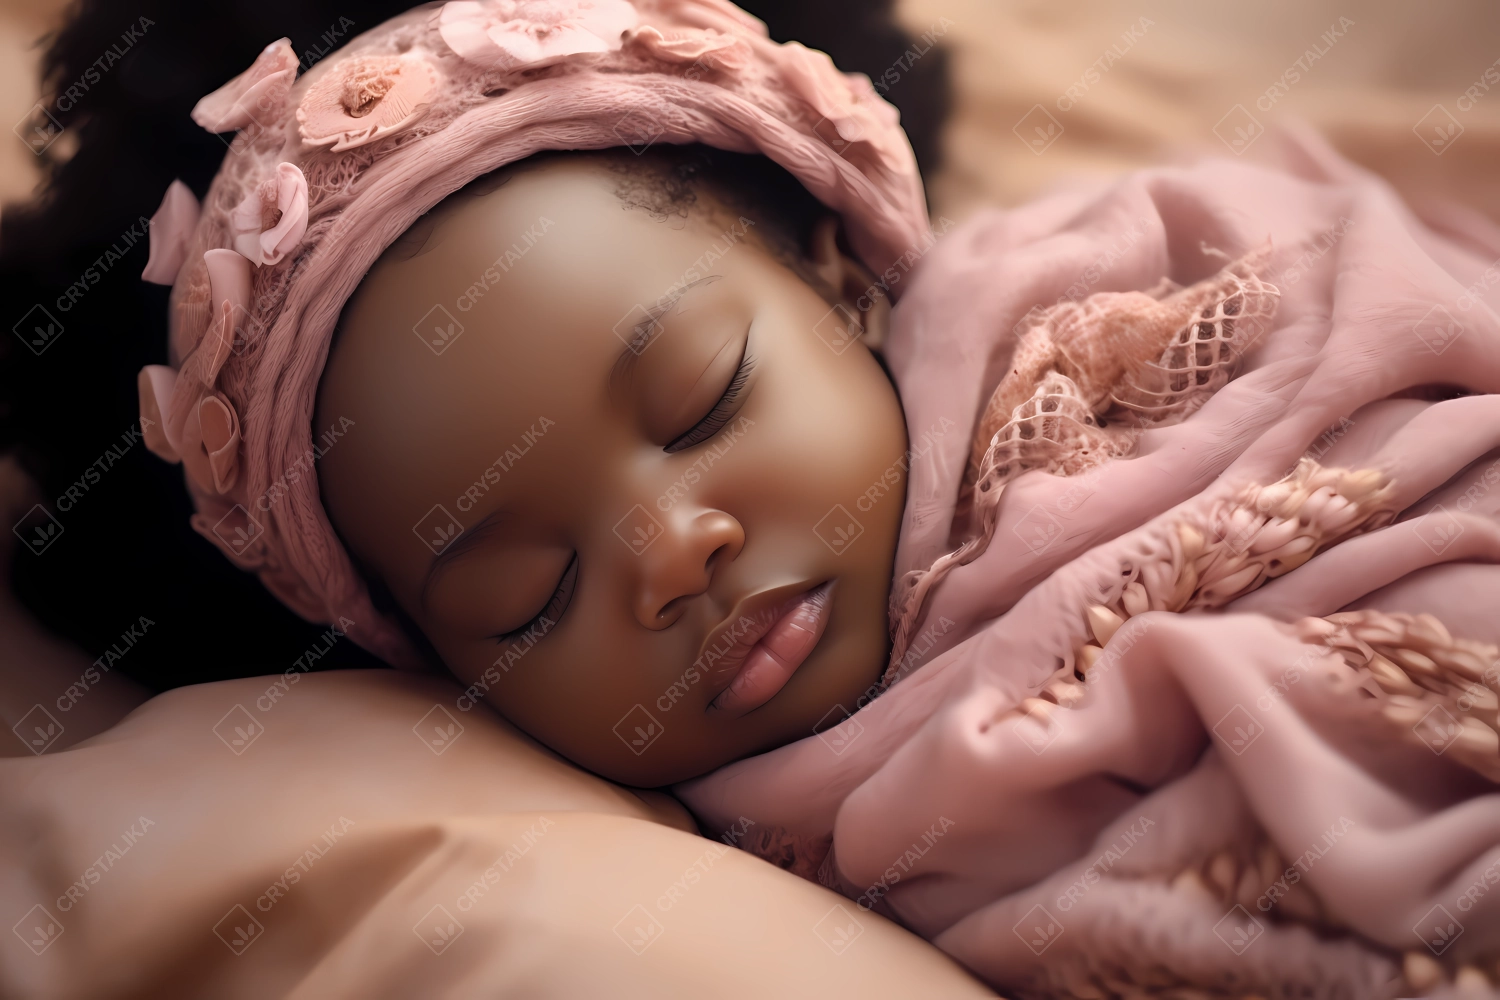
{"x": 852, "y": 285}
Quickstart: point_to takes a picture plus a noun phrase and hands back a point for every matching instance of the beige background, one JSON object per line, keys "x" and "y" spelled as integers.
{"x": 1192, "y": 65}
{"x": 1188, "y": 68}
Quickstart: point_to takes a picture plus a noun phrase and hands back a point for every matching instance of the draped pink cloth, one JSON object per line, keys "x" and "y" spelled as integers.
{"x": 1231, "y": 798}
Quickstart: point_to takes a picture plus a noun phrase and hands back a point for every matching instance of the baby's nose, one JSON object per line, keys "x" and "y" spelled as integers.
{"x": 681, "y": 562}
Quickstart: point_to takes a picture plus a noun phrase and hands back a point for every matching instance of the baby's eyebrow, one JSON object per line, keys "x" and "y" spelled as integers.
{"x": 625, "y": 363}
{"x": 466, "y": 542}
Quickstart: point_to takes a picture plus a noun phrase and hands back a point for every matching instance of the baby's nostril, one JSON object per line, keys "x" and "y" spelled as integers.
{"x": 670, "y": 609}
{"x": 712, "y": 561}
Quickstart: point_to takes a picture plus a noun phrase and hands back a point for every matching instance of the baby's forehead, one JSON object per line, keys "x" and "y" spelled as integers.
{"x": 561, "y": 234}
{"x": 518, "y": 301}
{"x": 642, "y": 187}
{"x": 552, "y": 247}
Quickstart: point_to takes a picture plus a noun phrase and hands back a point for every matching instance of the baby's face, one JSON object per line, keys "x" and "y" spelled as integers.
{"x": 636, "y": 551}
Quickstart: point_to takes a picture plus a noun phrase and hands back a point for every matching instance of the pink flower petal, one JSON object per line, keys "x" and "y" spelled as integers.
{"x": 812, "y": 76}
{"x": 256, "y": 95}
{"x": 291, "y": 201}
{"x": 219, "y": 434}
{"x": 714, "y": 49}
{"x": 282, "y": 196}
{"x": 855, "y": 120}
{"x": 197, "y": 450}
{"x": 465, "y": 29}
{"x": 364, "y": 98}
{"x": 171, "y": 229}
{"x": 516, "y": 34}
{"x": 155, "y": 385}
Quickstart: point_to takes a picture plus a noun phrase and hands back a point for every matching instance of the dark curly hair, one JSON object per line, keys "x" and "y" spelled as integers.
{"x": 120, "y": 87}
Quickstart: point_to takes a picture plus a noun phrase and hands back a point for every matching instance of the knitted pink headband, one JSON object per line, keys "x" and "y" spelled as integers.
{"x": 329, "y": 169}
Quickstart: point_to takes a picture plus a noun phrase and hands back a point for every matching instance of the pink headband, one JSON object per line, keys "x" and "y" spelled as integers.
{"x": 329, "y": 169}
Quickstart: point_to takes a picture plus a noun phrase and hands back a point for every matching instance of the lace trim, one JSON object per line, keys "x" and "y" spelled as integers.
{"x": 1087, "y": 378}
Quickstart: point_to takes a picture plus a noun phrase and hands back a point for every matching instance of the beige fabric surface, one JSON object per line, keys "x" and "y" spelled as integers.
{"x": 1162, "y": 87}
{"x": 336, "y": 854}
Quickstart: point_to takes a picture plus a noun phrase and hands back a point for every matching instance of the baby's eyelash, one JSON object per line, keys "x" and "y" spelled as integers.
{"x": 552, "y": 612}
{"x": 720, "y": 414}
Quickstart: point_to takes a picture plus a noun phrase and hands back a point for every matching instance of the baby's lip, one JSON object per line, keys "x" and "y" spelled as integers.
{"x": 731, "y": 643}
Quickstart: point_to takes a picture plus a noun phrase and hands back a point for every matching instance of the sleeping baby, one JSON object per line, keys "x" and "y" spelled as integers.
{"x": 650, "y": 547}
{"x": 1176, "y": 547}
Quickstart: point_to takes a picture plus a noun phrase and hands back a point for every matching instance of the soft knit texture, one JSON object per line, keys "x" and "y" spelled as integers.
{"x": 330, "y": 168}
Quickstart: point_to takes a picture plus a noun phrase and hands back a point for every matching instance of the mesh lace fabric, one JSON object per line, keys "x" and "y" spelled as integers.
{"x": 1087, "y": 378}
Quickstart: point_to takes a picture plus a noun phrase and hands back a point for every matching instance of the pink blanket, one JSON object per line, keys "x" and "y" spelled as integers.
{"x": 1208, "y": 696}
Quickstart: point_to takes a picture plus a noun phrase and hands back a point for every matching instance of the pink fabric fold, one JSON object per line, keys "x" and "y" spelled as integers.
{"x": 171, "y": 227}
{"x": 1146, "y": 738}
{"x": 271, "y": 219}
{"x": 256, "y": 96}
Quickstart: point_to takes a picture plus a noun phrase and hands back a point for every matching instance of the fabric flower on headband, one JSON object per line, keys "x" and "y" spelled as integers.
{"x": 511, "y": 34}
{"x": 709, "y": 47}
{"x": 183, "y": 415}
{"x": 852, "y": 113}
{"x": 171, "y": 230}
{"x": 364, "y": 98}
{"x": 257, "y": 95}
{"x": 272, "y": 217}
